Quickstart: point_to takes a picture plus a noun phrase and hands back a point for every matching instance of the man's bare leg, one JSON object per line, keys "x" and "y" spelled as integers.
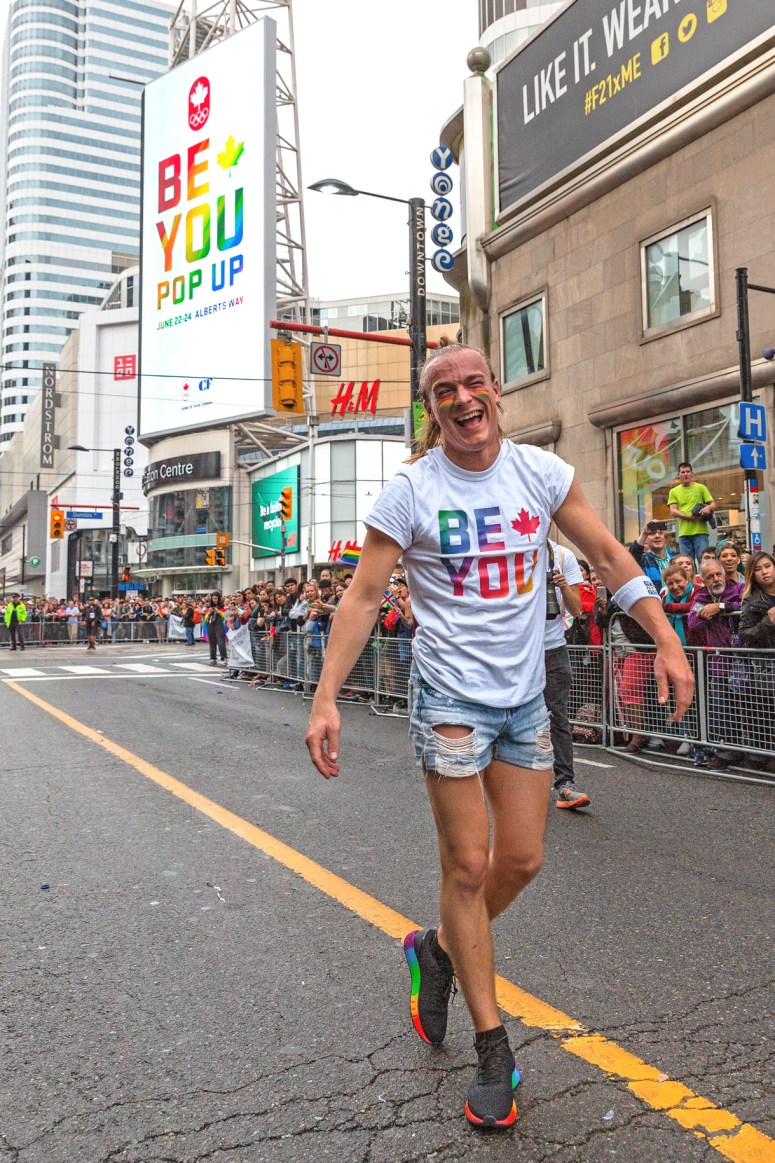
{"x": 463, "y": 828}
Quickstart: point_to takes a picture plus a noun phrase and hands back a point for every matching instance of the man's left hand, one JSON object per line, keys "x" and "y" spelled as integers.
{"x": 671, "y": 669}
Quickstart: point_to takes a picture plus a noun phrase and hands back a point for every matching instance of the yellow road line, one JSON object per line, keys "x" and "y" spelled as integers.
{"x": 735, "y": 1140}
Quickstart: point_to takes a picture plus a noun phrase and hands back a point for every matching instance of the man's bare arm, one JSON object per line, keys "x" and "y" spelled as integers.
{"x": 581, "y": 525}
{"x": 355, "y": 617}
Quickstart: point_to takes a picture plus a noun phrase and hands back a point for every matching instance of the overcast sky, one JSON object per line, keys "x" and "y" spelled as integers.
{"x": 376, "y": 81}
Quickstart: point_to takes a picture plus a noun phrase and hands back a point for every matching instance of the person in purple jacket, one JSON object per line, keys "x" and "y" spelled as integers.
{"x": 713, "y": 622}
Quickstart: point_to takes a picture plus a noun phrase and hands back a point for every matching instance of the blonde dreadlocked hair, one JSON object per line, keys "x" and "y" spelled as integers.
{"x": 430, "y": 435}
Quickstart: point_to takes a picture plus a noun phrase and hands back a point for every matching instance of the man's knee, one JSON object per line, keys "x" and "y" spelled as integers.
{"x": 466, "y": 870}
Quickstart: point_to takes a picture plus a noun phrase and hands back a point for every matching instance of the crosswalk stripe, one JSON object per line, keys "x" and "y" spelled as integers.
{"x": 198, "y": 666}
{"x": 21, "y": 671}
{"x": 140, "y": 668}
{"x": 85, "y": 669}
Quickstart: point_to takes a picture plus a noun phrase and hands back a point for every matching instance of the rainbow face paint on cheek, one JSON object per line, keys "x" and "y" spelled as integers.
{"x": 481, "y": 393}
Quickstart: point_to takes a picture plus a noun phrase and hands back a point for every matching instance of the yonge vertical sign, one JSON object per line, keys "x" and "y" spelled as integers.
{"x": 208, "y": 236}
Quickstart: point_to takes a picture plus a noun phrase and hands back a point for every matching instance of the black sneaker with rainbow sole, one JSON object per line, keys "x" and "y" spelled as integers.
{"x": 432, "y": 983}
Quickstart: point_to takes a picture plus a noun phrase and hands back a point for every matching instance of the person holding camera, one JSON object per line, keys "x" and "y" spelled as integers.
{"x": 469, "y": 516}
{"x": 691, "y": 502}
{"x": 652, "y": 552}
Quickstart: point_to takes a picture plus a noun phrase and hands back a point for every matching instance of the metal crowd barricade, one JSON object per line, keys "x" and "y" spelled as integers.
{"x": 58, "y": 633}
{"x": 613, "y": 691}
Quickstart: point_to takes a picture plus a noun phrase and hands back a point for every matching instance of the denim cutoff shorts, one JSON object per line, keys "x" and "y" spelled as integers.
{"x": 520, "y": 736}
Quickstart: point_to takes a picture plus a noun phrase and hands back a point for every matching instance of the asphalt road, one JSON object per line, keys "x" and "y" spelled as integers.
{"x": 176, "y": 993}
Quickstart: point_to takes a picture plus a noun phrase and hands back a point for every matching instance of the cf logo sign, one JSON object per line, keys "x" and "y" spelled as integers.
{"x": 205, "y": 385}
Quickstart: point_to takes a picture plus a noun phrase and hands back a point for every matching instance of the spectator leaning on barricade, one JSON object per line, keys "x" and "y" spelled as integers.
{"x": 567, "y": 578}
{"x": 694, "y": 507}
{"x": 712, "y": 622}
{"x": 757, "y": 631}
{"x": 677, "y": 598}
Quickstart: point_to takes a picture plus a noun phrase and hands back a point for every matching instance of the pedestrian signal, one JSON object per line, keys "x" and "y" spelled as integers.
{"x": 286, "y": 501}
{"x": 125, "y": 574}
{"x": 57, "y": 525}
{"x": 287, "y": 376}
{"x": 210, "y": 557}
{"x": 220, "y": 556}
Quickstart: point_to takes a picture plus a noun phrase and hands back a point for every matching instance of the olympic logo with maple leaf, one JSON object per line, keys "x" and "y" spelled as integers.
{"x": 199, "y": 103}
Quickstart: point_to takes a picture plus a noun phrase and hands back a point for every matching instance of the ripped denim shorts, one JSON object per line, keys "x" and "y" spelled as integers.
{"x": 519, "y": 736}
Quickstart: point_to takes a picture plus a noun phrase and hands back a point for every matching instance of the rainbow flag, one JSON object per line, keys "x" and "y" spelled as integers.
{"x": 351, "y": 555}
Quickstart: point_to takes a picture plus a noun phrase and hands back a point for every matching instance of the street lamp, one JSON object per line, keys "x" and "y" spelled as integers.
{"x": 417, "y": 288}
{"x": 116, "y": 498}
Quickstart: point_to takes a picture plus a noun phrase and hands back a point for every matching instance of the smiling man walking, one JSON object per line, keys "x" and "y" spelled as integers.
{"x": 470, "y": 517}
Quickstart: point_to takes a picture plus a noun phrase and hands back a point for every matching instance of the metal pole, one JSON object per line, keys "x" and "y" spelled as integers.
{"x": 743, "y": 335}
{"x": 417, "y": 287}
{"x": 116, "y": 531}
{"x": 752, "y": 523}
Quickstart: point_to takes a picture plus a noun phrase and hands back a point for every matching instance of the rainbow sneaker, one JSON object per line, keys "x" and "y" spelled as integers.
{"x": 490, "y": 1102}
{"x": 432, "y": 984}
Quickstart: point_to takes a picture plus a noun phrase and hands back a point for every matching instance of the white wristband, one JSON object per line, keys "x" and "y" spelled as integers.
{"x": 633, "y": 590}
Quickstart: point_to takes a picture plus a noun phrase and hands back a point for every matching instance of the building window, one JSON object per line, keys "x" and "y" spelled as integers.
{"x": 677, "y": 273}
{"x": 524, "y": 342}
{"x": 7, "y": 544}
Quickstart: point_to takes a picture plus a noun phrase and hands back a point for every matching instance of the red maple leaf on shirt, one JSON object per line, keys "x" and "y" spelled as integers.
{"x": 526, "y": 524}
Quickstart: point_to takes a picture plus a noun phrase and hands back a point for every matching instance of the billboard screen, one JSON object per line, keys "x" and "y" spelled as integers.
{"x": 208, "y": 236}
{"x": 275, "y": 500}
{"x": 602, "y": 70}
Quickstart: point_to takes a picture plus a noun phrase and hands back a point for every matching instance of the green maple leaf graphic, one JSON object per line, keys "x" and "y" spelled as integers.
{"x": 230, "y": 154}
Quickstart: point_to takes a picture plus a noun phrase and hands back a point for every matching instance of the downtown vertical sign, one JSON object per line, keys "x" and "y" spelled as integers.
{"x": 208, "y": 236}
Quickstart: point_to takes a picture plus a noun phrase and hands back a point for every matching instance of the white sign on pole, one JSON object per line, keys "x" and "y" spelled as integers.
{"x": 208, "y": 237}
{"x": 325, "y": 359}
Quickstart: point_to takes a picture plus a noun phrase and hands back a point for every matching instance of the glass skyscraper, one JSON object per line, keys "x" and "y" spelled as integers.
{"x": 73, "y": 74}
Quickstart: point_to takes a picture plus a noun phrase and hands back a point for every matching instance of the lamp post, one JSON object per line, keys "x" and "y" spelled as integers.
{"x": 417, "y": 287}
{"x": 116, "y": 499}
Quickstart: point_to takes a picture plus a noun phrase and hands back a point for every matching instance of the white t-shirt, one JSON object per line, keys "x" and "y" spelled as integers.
{"x": 474, "y": 548}
{"x": 566, "y": 562}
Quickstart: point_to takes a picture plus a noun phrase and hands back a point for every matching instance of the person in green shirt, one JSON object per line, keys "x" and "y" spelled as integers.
{"x": 694, "y": 507}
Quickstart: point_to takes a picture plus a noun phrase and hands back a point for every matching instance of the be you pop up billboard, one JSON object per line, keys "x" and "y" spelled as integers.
{"x": 208, "y": 236}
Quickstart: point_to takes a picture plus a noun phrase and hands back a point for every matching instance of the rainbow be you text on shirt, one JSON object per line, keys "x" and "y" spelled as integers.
{"x": 457, "y": 535}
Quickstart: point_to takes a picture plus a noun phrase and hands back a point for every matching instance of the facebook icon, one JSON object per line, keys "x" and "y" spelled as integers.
{"x": 753, "y": 422}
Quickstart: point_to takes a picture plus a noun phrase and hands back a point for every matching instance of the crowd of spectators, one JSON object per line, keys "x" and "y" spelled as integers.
{"x": 724, "y": 599}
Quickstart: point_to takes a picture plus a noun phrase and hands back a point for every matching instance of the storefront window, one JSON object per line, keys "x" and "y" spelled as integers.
{"x": 188, "y": 520}
{"x": 713, "y": 450}
{"x": 523, "y": 342}
{"x": 648, "y": 467}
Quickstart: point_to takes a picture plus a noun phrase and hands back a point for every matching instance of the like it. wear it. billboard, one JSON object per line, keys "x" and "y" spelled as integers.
{"x": 208, "y": 236}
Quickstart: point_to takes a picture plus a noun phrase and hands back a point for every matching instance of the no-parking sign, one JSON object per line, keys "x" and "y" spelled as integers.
{"x": 325, "y": 359}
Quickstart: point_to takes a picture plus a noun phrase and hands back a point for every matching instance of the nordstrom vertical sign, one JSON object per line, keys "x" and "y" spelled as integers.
{"x": 48, "y": 441}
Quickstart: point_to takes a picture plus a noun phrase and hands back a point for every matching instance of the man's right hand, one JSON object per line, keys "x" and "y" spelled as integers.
{"x": 322, "y": 738}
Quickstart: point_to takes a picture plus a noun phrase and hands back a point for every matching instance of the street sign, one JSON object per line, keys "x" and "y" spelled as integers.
{"x": 70, "y": 525}
{"x": 83, "y": 515}
{"x": 442, "y": 260}
{"x": 441, "y": 157}
{"x": 441, "y": 184}
{"x": 34, "y": 561}
{"x": 326, "y": 359}
{"x": 442, "y": 209}
{"x": 222, "y": 540}
{"x": 752, "y": 457}
{"x": 753, "y": 422}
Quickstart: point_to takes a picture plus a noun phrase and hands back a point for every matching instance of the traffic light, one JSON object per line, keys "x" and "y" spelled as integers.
{"x": 125, "y": 575}
{"x": 57, "y": 525}
{"x": 220, "y": 557}
{"x": 287, "y": 375}
{"x": 286, "y": 501}
{"x": 210, "y": 556}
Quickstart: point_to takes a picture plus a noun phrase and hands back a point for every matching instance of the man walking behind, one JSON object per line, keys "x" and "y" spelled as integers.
{"x": 92, "y": 620}
{"x": 15, "y": 617}
{"x": 470, "y": 518}
{"x": 694, "y": 507}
